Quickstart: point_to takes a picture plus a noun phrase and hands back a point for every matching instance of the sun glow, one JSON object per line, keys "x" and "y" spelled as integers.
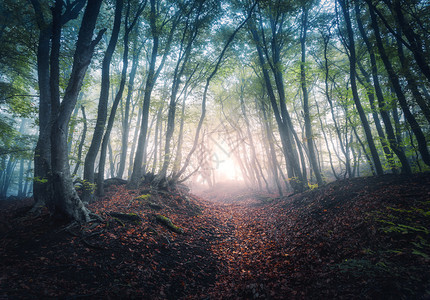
{"x": 226, "y": 167}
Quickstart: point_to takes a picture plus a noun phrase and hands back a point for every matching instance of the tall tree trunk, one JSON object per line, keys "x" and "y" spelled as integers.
{"x": 178, "y": 156}
{"x": 326, "y": 142}
{"x": 127, "y": 30}
{"x": 156, "y": 135}
{"x": 352, "y": 68}
{"x": 274, "y": 165}
{"x": 81, "y": 144}
{"x": 7, "y": 176}
{"x": 254, "y": 164}
{"x": 308, "y": 126}
{"x": 21, "y": 163}
{"x": 205, "y": 91}
{"x": 42, "y": 190}
{"x": 412, "y": 84}
{"x": 20, "y": 193}
{"x": 184, "y": 56}
{"x": 394, "y": 79}
{"x": 293, "y": 170}
{"x": 395, "y": 146}
{"x": 111, "y": 160}
{"x": 102, "y": 109}
{"x": 73, "y": 121}
{"x": 330, "y": 102}
{"x": 125, "y": 123}
{"x": 135, "y": 136}
{"x": 27, "y": 184}
{"x": 42, "y": 187}
{"x": 385, "y": 146}
{"x": 66, "y": 201}
{"x": 151, "y": 79}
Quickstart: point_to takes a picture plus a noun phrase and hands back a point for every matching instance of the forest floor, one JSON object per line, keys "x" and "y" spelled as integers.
{"x": 362, "y": 238}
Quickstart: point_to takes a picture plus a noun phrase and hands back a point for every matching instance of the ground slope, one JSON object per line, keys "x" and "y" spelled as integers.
{"x": 363, "y": 238}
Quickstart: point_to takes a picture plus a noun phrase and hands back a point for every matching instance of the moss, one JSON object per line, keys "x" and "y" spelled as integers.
{"x": 168, "y": 223}
{"x": 143, "y": 197}
{"x": 126, "y": 217}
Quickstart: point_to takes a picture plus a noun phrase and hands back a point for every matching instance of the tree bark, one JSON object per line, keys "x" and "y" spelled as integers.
{"x": 308, "y": 126}
{"x": 127, "y": 30}
{"x": 352, "y": 68}
{"x": 151, "y": 79}
{"x": 125, "y": 123}
{"x": 392, "y": 140}
{"x": 42, "y": 190}
{"x": 327, "y": 92}
{"x": 394, "y": 79}
{"x": 67, "y": 203}
{"x": 81, "y": 144}
{"x": 291, "y": 158}
{"x": 87, "y": 193}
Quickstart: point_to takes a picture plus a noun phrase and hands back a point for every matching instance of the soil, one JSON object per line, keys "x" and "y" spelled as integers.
{"x": 361, "y": 238}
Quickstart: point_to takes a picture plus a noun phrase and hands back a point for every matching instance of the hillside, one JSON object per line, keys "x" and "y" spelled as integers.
{"x": 361, "y": 238}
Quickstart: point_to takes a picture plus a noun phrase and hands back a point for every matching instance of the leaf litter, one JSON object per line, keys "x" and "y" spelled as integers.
{"x": 361, "y": 238}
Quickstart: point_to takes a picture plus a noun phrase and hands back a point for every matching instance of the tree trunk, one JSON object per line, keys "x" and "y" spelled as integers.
{"x": 125, "y": 123}
{"x": 87, "y": 193}
{"x": 151, "y": 79}
{"x": 385, "y": 146}
{"x": 178, "y": 156}
{"x": 291, "y": 159}
{"x": 67, "y": 203}
{"x": 395, "y": 146}
{"x": 254, "y": 164}
{"x": 352, "y": 68}
{"x": 308, "y": 126}
{"x": 330, "y": 102}
{"x": 326, "y": 143}
{"x": 208, "y": 80}
{"x": 42, "y": 190}
{"x": 81, "y": 144}
{"x": 270, "y": 148}
{"x": 127, "y": 30}
{"x": 394, "y": 79}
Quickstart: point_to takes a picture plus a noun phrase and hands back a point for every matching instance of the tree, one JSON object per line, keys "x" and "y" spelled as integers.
{"x": 394, "y": 79}
{"x": 307, "y": 118}
{"x": 90, "y": 158}
{"x": 42, "y": 189}
{"x": 350, "y": 46}
{"x": 128, "y": 27}
{"x": 395, "y": 146}
{"x": 272, "y": 60}
{"x": 65, "y": 203}
{"x": 152, "y": 75}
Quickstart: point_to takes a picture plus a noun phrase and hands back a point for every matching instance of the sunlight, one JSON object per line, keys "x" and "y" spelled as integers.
{"x": 226, "y": 167}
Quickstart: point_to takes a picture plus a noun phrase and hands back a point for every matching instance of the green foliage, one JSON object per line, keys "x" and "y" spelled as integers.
{"x": 401, "y": 228}
{"x": 407, "y": 221}
{"x": 143, "y": 197}
{"x": 40, "y": 180}
{"x": 312, "y": 186}
{"x": 89, "y": 186}
{"x": 363, "y": 267}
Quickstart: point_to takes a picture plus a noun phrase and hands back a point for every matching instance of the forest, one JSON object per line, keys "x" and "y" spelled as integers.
{"x": 258, "y": 124}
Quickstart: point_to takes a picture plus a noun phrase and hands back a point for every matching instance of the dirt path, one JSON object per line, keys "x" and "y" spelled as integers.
{"x": 249, "y": 249}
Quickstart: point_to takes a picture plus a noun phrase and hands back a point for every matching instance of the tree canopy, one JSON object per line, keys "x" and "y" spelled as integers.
{"x": 282, "y": 95}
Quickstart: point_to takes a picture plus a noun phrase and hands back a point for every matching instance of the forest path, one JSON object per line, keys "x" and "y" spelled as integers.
{"x": 248, "y": 245}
